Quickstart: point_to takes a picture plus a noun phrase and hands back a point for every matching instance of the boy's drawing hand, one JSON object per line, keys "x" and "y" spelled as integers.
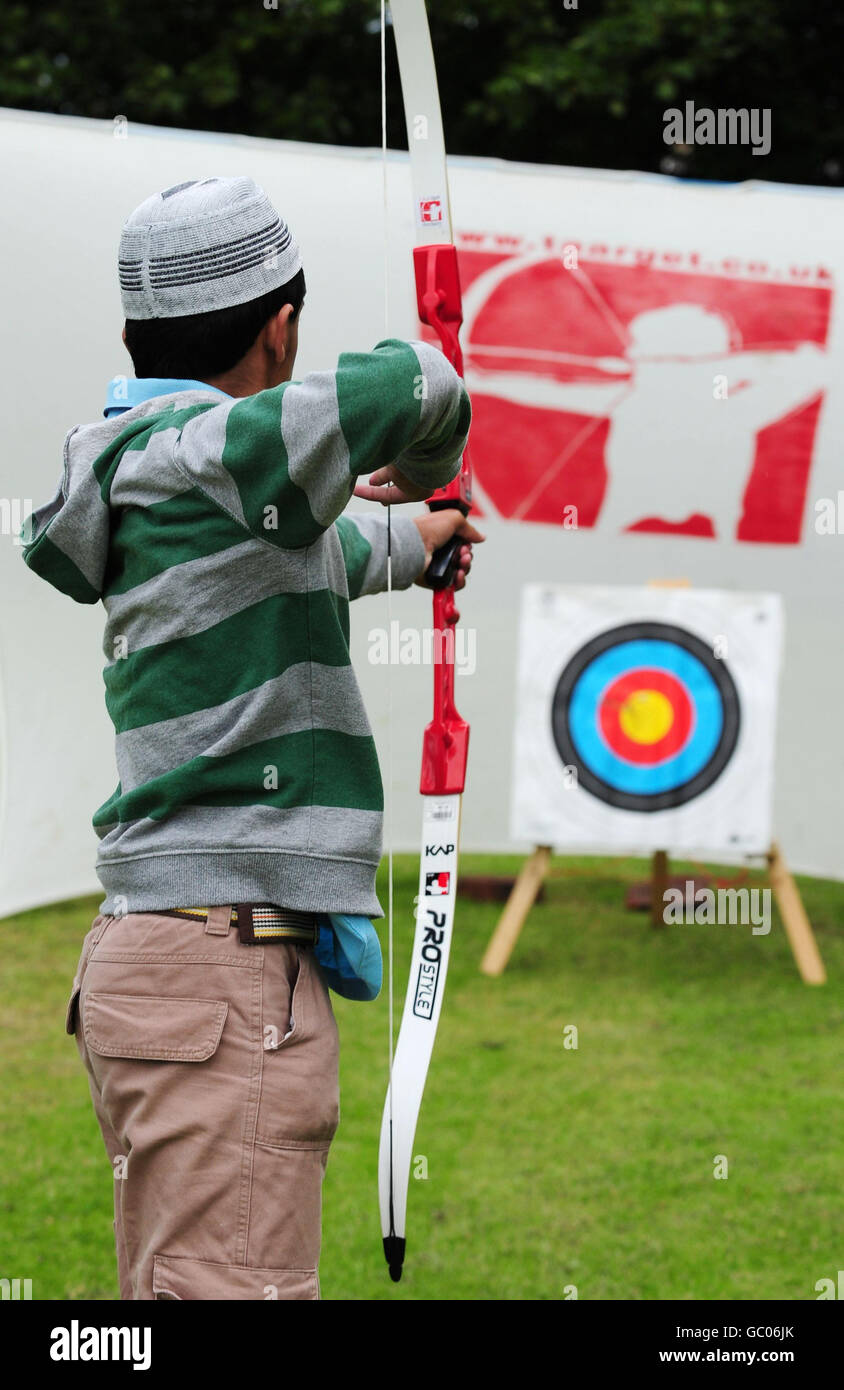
{"x": 378, "y": 488}
{"x": 438, "y": 527}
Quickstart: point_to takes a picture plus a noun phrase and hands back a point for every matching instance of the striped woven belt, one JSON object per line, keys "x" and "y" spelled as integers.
{"x": 260, "y": 922}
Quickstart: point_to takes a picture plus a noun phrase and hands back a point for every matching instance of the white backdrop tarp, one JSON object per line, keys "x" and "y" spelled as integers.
{"x": 595, "y": 374}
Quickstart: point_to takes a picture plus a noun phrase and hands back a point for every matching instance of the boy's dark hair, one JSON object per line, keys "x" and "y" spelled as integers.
{"x": 198, "y": 346}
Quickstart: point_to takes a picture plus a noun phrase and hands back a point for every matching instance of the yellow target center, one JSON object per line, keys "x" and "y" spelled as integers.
{"x": 646, "y": 716}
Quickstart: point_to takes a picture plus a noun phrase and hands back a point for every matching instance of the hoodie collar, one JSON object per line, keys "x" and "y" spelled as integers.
{"x": 125, "y": 392}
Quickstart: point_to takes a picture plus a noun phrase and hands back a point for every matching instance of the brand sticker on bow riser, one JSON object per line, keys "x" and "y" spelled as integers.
{"x": 437, "y": 885}
{"x": 428, "y": 977}
{"x": 430, "y": 210}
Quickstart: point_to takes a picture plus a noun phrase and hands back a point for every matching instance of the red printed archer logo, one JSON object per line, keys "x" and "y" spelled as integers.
{"x": 642, "y": 399}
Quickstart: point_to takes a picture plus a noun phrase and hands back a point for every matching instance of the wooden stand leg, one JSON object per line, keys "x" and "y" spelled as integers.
{"x": 659, "y": 883}
{"x": 801, "y": 938}
{"x": 518, "y": 906}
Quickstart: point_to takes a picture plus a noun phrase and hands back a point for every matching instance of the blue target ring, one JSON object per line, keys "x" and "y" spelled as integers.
{"x": 591, "y": 744}
{"x": 701, "y": 683}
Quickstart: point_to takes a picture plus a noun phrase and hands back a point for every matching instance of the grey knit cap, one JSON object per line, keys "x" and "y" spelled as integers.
{"x": 202, "y": 246}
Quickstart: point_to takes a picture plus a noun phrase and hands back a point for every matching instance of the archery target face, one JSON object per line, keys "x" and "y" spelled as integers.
{"x": 646, "y": 719}
{"x": 647, "y": 714}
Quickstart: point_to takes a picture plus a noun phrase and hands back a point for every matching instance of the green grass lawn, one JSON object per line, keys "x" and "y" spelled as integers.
{"x": 547, "y": 1166}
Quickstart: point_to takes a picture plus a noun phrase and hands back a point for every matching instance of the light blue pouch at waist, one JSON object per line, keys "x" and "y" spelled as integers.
{"x": 349, "y": 952}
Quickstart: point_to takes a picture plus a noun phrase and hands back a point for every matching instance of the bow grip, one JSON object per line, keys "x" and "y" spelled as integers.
{"x": 444, "y": 564}
{"x": 445, "y": 559}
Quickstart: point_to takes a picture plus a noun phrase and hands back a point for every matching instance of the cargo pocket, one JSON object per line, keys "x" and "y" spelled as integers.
{"x": 153, "y": 1028}
{"x": 178, "y": 1277}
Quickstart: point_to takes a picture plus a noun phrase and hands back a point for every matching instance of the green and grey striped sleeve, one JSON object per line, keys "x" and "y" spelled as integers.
{"x": 363, "y": 538}
{"x": 283, "y": 463}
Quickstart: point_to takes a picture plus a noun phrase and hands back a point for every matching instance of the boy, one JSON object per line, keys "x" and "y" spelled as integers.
{"x": 238, "y": 853}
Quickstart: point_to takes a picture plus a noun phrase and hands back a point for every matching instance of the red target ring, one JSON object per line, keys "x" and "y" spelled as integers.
{"x": 618, "y": 705}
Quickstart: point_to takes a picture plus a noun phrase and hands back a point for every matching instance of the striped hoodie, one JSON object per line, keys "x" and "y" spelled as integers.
{"x": 212, "y": 531}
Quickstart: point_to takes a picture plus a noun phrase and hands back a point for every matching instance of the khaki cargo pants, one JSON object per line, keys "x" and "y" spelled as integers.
{"x": 213, "y": 1071}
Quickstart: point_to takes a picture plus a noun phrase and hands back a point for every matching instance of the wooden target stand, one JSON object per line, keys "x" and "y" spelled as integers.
{"x": 798, "y": 929}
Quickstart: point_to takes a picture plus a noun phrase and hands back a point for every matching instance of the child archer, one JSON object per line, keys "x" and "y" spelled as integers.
{"x": 239, "y": 849}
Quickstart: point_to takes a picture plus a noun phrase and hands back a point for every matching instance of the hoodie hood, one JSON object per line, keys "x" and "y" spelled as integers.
{"x": 66, "y": 541}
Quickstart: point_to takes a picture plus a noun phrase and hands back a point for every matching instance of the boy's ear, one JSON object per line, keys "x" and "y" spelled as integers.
{"x": 276, "y": 331}
{"x": 123, "y": 335}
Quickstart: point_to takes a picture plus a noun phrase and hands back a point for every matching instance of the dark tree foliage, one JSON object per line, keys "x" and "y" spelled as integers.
{"x": 582, "y": 82}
